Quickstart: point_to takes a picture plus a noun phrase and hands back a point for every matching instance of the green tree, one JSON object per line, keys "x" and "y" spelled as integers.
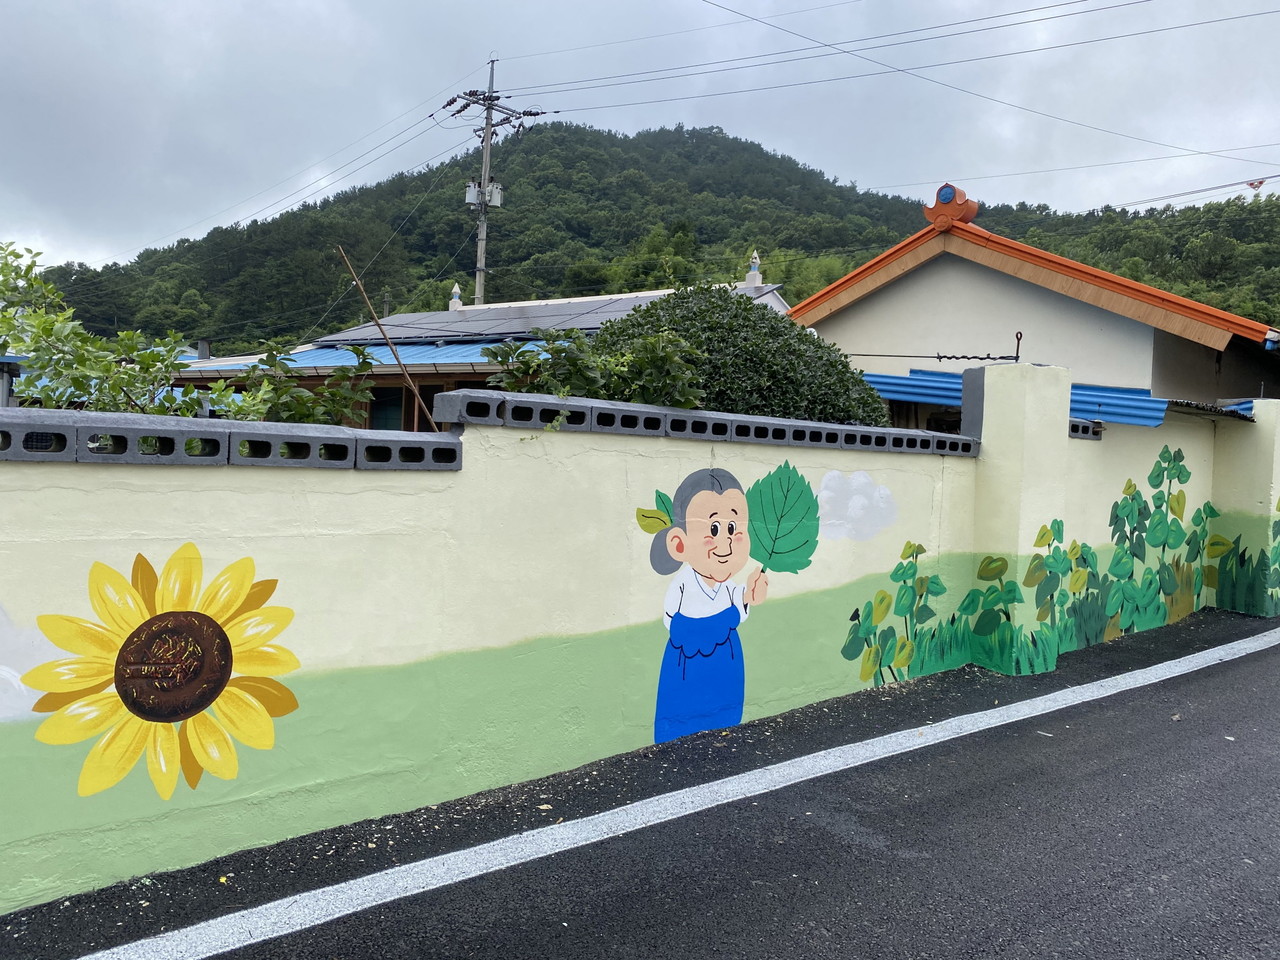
{"x": 269, "y": 390}
{"x": 750, "y": 359}
{"x": 658, "y": 368}
{"x": 66, "y": 366}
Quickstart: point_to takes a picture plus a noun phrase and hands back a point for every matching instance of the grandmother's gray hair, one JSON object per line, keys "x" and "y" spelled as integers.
{"x": 710, "y": 480}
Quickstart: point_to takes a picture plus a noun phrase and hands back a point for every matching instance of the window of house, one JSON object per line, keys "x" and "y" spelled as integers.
{"x": 386, "y": 409}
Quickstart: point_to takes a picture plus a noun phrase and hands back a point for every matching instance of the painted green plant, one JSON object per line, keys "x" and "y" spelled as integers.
{"x": 659, "y": 518}
{"x": 884, "y": 654}
{"x": 1246, "y": 583}
{"x": 1071, "y": 593}
{"x": 985, "y": 617}
{"x": 1158, "y": 562}
{"x": 1157, "y": 573}
{"x": 1198, "y": 550}
{"x": 982, "y": 630}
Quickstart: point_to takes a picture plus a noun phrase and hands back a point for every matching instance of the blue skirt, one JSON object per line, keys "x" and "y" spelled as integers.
{"x": 702, "y": 681}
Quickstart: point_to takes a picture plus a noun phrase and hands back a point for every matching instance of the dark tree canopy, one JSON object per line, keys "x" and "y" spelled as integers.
{"x": 590, "y": 212}
{"x": 753, "y": 360}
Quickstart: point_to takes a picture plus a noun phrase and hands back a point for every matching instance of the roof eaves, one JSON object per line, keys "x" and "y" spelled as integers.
{"x": 1193, "y": 310}
{"x": 837, "y": 295}
{"x": 819, "y": 306}
{"x": 1238, "y": 411}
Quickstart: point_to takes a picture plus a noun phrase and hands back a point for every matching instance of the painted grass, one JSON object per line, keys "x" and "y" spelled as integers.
{"x": 368, "y": 742}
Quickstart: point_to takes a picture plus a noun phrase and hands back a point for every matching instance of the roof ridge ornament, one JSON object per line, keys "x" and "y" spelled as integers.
{"x": 951, "y": 205}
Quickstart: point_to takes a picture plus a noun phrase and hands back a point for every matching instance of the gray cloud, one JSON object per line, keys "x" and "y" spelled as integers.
{"x": 136, "y": 121}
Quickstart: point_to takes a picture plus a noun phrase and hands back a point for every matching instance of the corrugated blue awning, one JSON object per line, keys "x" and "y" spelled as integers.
{"x": 1117, "y": 405}
{"x": 1088, "y": 401}
{"x": 922, "y": 386}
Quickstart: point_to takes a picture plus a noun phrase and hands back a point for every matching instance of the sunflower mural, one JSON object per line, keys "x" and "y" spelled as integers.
{"x": 172, "y": 671}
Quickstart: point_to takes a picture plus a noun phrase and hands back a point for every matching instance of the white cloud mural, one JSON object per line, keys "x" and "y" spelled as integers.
{"x": 854, "y": 507}
{"x": 20, "y": 650}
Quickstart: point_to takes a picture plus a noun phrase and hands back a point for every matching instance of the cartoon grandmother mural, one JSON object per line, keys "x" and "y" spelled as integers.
{"x": 706, "y": 535}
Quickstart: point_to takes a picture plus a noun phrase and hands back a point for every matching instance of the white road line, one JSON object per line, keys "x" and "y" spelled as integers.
{"x": 315, "y": 907}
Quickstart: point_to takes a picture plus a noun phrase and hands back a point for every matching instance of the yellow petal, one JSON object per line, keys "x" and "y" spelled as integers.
{"x": 226, "y": 592}
{"x": 258, "y": 596}
{"x": 257, "y": 627}
{"x": 144, "y": 580}
{"x": 65, "y": 676}
{"x": 163, "y": 760}
{"x": 179, "y": 586}
{"x": 56, "y": 701}
{"x": 245, "y": 719}
{"x": 265, "y": 661}
{"x": 212, "y": 747}
{"x": 112, "y": 757}
{"x": 83, "y": 637}
{"x": 82, "y": 719}
{"x": 191, "y": 769}
{"x": 277, "y": 699}
{"x": 114, "y": 600}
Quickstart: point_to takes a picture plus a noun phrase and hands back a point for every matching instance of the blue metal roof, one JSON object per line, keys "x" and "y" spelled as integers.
{"x": 1117, "y": 405}
{"x": 411, "y": 354}
{"x": 1088, "y": 402}
{"x": 922, "y": 386}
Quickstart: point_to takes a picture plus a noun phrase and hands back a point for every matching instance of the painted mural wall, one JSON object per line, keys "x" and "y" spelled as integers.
{"x": 197, "y": 660}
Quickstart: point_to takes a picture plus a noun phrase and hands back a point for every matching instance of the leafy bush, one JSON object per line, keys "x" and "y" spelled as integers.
{"x": 66, "y": 366}
{"x": 658, "y": 369}
{"x": 750, "y": 359}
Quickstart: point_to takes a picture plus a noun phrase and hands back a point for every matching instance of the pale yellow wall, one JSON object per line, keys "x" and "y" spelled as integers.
{"x": 952, "y": 306}
{"x": 513, "y": 602}
{"x": 1096, "y": 472}
{"x": 1019, "y": 477}
{"x": 1247, "y": 465}
{"x": 536, "y": 535}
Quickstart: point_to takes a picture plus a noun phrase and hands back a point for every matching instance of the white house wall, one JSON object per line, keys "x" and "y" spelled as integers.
{"x": 952, "y": 306}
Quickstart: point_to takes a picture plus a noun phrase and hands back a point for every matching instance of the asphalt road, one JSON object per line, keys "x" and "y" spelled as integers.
{"x": 1143, "y": 825}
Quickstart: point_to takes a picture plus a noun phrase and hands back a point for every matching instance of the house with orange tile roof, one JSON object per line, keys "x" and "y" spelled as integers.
{"x": 954, "y": 296}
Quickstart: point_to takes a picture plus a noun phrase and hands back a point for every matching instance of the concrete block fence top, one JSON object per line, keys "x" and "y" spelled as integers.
{"x": 35, "y": 435}
{"x": 539, "y": 411}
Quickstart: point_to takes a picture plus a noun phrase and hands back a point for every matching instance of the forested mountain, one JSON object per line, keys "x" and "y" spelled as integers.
{"x": 588, "y": 211}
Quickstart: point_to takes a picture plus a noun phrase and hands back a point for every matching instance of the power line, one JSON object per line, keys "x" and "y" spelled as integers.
{"x": 679, "y": 33}
{"x": 670, "y": 75}
{"x": 306, "y": 336}
{"x": 302, "y": 172}
{"x": 146, "y": 278}
{"x": 1189, "y": 193}
{"x": 889, "y": 70}
{"x": 911, "y": 71}
{"x": 934, "y": 181}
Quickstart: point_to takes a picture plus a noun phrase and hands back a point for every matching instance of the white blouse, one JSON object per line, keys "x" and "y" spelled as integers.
{"x": 690, "y": 595}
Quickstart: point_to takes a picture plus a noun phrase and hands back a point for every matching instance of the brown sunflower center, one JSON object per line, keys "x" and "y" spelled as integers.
{"x": 173, "y": 666}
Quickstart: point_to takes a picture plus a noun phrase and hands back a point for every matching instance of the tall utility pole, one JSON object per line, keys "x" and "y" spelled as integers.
{"x": 485, "y": 194}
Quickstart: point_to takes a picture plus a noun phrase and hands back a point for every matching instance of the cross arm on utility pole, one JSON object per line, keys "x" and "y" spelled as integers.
{"x": 485, "y": 194}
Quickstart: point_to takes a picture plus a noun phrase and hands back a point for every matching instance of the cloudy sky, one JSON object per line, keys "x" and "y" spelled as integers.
{"x": 132, "y": 123}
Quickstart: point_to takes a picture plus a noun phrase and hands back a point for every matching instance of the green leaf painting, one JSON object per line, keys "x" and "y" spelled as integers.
{"x": 783, "y": 520}
{"x": 662, "y": 503}
{"x": 651, "y": 521}
{"x": 659, "y": 518}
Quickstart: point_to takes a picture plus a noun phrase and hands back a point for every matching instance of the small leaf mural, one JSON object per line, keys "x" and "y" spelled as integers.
{"x": 651, "y": 521}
